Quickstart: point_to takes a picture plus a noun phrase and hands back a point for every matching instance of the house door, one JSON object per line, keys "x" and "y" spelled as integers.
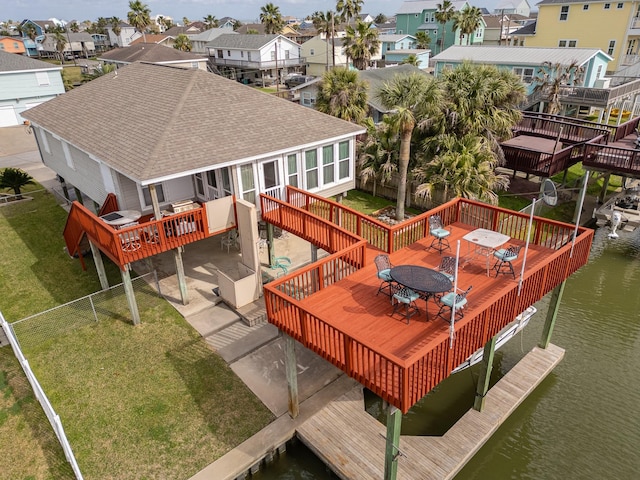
{"x": 271, "y": 178}
{"x": 213, "y": 184}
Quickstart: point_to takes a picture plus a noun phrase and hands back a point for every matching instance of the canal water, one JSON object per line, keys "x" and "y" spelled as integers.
{"x": 583, "y": 421}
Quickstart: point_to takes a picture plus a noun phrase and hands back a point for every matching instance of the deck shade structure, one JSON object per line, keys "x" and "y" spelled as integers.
{"x": 328, "y": 306}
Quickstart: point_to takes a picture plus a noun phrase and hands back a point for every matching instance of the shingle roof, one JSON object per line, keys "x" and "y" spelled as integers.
{"x": 11, "y": 62}
{"x": 245, "y": 41}
{"x": 504, "y": 55}
{"x": 528, "y": 29}
{"x": 148, "y": 52}
{"x": 209, "y": 120}
{"x": 379, "y": 76}
{"x": 417, "y": 6}
{"x": 210, "y": 34}
{"x": 394, "y": 37}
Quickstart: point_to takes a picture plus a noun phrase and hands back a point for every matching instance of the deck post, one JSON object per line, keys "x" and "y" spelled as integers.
{"x": 391, "y": 453}
{"x": 579, "y": 203}
{"x": 78, "y": 195}
{"x": 270, "y": 247}
{"x": 97, "y": 259}
{"x": 314, "y": 253}
{"x": 131, "y": 298}
{"x": 605, "y": 187}
{"x": 484, "y": 378}
{"x": 182, "y": 281}
{"x": 154, "y": 201}
{"x": 552, "y": 313}
{"x": 290, "y": 364}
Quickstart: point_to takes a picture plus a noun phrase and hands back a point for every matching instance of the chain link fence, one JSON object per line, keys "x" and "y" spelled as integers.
{"x": 107, "y": 304}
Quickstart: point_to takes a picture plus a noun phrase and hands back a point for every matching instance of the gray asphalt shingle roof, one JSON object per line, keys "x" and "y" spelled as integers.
{"x": 148, "y": 52}
{"x": 198, "y": 120}
{"x": 11, "y": 62}
{"x": 503, "y": 55}
{"x": 377, "y": 77}
{"x": 245, "y": 41}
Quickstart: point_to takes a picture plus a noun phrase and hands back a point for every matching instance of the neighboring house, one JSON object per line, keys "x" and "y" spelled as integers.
{"x": 12, "y": 45}
{"x": 191, "y": 29}
{"x": 396, "y": 57}
{"x": 39, "y": 27}
{"x": 101, "y": 42}
{"x": 500, "y": 29}
{"x": 76, "y": 45}
{"x": 396, "y": 42}
{"x": 199, "y": 42}
{"x": 154, "y": 53}
{"x": 374, "y": 79}
{"x": 24, "y": 83}
{"x": 387, "y": 28}
{"x": 287, "y": 31}
{"x": 509, "y": 7}
{"x": 157, "y": 38}
{"x": 323, "y": 54}
{"x": 127, "y": 35}
{"x": 226, "y": 22}
{"x": 415, "y": 16}
{"x": 254, "y": 58}
{"x": 613, "y": 27}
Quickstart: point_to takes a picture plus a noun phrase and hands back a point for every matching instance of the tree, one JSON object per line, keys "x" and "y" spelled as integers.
{"x": 342, "y": 94}
{"x": 30, "y": 31}
{"x": 423, "y": 40}
{"x": 61, "y": 45}
{"x": 413, "y": 99}
{"x": 100, "y": 70}
{"x": 380, "y": 18}
{"x": 15, "y": 179}
{"x": 115, "y": 26}
{"x": 325, "y": 23}
{"x": 183, "y": 43}
{"x": 378, "y": 153}
{"x": 252, "y": 31}
{"x": 551, "y": 78}
{"x": 74, "y": 27}
{"x": 360, "y": 43}
{"x": 467, "y": 21}
{"x": 139, "y": 16}
{"x": 348, "y": 9}
{"x": 185, "y": 21}
{"x": 211, "y": 22}
{"x": 271, "y": 18}
{"x": 236, "y": 25}
{"x": 444, "y": 13}
{"x": 411, "y": 60}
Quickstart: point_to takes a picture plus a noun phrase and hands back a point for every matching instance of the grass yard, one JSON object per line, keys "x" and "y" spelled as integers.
{"x": 151, "y": 401}
{"x": 366, "y": 203}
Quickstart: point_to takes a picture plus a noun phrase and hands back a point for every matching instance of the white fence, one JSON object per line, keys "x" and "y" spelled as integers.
{"x": 53, "y": 417}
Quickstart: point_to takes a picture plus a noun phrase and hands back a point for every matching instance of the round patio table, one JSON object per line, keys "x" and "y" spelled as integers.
{"x": 422, "y": 280}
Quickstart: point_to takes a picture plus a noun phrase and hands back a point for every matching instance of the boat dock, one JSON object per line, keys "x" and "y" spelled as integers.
{"x": 352, "y": 443}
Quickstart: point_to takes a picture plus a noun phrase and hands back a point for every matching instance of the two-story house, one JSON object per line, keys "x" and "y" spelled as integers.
{"x": 420, "y": 16}
{"x": 126, "y": 35}
{"x": 322, "y": 54}
{"x": 154, "y": 53}
{"x": 613, "y": 27}
{"x": 77, "y": 45}
{"x": 24, "y": 83}
{"x": 199, "y": 41}
{"x": 12, "y": 45}
{"x": 254, "y": 58}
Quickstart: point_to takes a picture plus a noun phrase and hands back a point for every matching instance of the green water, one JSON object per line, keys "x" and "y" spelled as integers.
{"x": 583, "y": 421}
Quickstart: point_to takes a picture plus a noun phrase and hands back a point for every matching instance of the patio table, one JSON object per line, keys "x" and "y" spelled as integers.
{"x": 484, "y": 243}
{"x": 426, "y": 282}
{"x": 120, "y": 217}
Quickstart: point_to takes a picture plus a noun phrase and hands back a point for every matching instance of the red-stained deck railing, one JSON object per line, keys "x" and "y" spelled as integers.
{"x": 126, "y": 245}
{"x": 402, "y": 381}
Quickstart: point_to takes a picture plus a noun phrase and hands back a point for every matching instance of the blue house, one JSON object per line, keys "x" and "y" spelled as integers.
{"x": 39, "y": 28}
{"x": 24, "y": 83}
{"x": 395, "y": 57}
{"x": 396, "y": 42}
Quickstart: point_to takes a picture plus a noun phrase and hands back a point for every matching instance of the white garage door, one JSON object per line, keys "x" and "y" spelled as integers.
{"x": 8, "y": 116}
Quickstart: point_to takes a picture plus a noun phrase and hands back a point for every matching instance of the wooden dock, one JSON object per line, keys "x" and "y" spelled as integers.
{"x": 352, "y": 443}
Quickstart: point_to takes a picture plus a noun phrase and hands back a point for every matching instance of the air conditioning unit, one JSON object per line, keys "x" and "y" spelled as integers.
{"x": 602, "y": 83}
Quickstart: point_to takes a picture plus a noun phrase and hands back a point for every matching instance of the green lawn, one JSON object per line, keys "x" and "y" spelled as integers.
{"x": 151, "y": 401}
{"x": 366, "y": 203}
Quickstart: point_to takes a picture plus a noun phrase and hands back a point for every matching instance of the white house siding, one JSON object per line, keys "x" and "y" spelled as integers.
{"x": 22, "y": 90}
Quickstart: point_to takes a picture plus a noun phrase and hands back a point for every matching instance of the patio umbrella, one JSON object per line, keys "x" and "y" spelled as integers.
{"x": 526, "y": 245}
{"x": 452, "y": 331}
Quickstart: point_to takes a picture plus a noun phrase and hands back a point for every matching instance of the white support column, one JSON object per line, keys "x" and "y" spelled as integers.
{"x": 131, "y": 298}
{"x": 154, "y": 201}
{"x": 97, "y": 260}
{"x": 182, "y": 281}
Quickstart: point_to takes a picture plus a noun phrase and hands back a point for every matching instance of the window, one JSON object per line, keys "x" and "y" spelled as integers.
{"x": 607, "y": 6}
{"x": 42, "y": 78}
{"x": 311, "y": 168}
{"x": 273, "y": 55}
{"x": 585, "y": 6}
{"x": 1, "y": 46}
{"x": 328, "y": 165}
{"x": 241, "y": 53}
{"x": 194, "y": 65}
{"x": 220, "y": 55}
{"x": 286, "y": 54}
{"x": 312, "y": 52}
{"x": 525, "y": 74}
{"x": 564, "y": 13}
{"x": 249, "y": 56}
{"x": 620, "y": 5}
{"x": 612, "y": 46}
{"x": 67, "y": 155}
{"x": 343, "y": 160}
{"x": 228, "y": 53}
{"x": 307, "y": 99}
{"x": 292, "y": 170}
{"x": 599, "y": 73}
{"x": 45, "y": 141}
{"x": 146, "y": 195}
{"x": 248, "y": 183}
{"x": 567, "y": 43}
{"x": 199, "y": 184}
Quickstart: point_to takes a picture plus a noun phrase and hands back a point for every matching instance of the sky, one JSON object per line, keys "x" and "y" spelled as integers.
{"x": 243, "y": 10}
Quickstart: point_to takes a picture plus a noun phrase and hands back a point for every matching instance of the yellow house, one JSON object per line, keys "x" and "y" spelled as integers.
{"x": 613, "y": 27}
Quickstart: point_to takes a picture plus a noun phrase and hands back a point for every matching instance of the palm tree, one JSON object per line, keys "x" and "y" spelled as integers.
{"x": 30, "y": 31}
{"x": 423, "y": 40}
{"x": 445, "y": 13}
{"x": 360, "y": 43}
{"x": 182, "y": 43}
{"x": 378, "y": 154}
{"x": 236, "y": 25}
{"x": 380, "y": 18}
{"x": 464, "y": 167}
{"x": 115, "y": 26}
{"x": 467, "y": 21}
{"x": 185, "y": 21}
{"x": 61, "y": 44}
{"x": 100, "y": 70}
{"x": 15, "y": 179}
{"x": 551, "y": 78}
{"x": 325, "y": 23}
{"x": 414, "y": 99}
{"x": 139, "y": 16}
{"x": 211, "y": 21}
{"x": 271, "y": 18}
{"x": 74, "y": 27}
{"x": 348, "y": 9}
{"x": 342, "y": 94}
{"x": 411, "y": 60}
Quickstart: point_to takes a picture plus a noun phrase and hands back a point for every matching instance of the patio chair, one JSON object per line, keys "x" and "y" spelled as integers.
{"x": 231, "y": 239}
{"x": 505, "y": 259}
{"x": 130, "y": 240}
{"x": 447, "y": 267}
{"x": 440, "y": 235}
{"x": 407, "y": 297}
{"x": 451, "y": 299}
{"x": 383, "y": 264}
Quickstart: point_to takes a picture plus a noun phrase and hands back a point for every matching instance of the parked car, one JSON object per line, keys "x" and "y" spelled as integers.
{"x": 297, "y": 80}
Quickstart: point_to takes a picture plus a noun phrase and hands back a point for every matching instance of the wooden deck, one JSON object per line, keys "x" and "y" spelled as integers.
{"x": 361, "y": 453}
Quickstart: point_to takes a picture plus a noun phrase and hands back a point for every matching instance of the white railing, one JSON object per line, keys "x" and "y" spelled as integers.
{"x": 275, "y": 192}
{"x": 53, "y": 417}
